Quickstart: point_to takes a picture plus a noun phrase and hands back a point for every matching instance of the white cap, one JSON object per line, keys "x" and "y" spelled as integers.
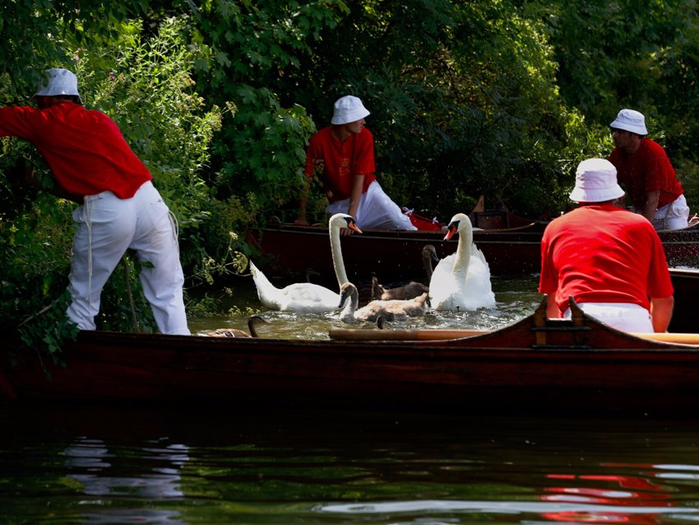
{"x": 348, "y": 109}
{"x": 630, "y": 120}
{"x": 595, "y": 181}
{"x": 58, "y": 81}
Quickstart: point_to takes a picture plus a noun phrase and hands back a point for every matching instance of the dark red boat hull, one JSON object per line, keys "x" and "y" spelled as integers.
{"x": 536, "y": 365}
{"x": 394, "y": 256}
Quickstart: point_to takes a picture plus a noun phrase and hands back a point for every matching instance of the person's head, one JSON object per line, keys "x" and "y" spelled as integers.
{"x": 59, "y": 85}
{"x": 350, "y": 112}
{"x": 628, "y": 128}
{"x": 595, "y": 182}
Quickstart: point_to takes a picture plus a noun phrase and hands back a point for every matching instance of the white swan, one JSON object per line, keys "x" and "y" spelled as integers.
{"x": 461, "y": 281}
{"x": 391, "y": 310}
{"x": 308, "y": 297}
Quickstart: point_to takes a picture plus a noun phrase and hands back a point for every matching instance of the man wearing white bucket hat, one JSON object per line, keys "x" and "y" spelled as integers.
{"x": 646, "y": 172}
{"x": 610, "y": 260}
{"x": 121, "y": 209}
{"x": 342, "y": 155}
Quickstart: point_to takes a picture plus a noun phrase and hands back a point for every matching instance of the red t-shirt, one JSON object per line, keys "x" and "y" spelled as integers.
{"x": 603, "y": 254}
{"x": 84, "y": 148}
{"x": 341, "y": 161}
{"x": 648, "y": 169}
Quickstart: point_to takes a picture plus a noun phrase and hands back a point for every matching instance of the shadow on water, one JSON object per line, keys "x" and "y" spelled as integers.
{"x": 147, "y": 464}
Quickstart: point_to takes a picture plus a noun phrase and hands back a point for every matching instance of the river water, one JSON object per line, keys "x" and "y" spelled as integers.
{"x": 211, "y": 465}
{"x": 516, "y": 297}
{"x": 218, "y": 464}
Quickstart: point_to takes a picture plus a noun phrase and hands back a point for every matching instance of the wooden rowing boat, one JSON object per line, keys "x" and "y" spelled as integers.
{"x": 397, "y": 255}
{"x": 535, "y": 365}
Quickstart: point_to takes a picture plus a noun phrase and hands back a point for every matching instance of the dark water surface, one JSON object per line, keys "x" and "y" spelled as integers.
{"x": 215, "y": 464}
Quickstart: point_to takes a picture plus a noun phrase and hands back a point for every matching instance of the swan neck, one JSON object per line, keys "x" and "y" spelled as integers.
{"x": 338, "y": 260}
{"x": 463, "y": 252}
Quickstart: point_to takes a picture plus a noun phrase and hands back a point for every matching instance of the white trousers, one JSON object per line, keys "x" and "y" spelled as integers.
{"x": 376, "y": 210}
{"x": 673, "y": 216}
{"x": 628, "y": 317}
{"x": 106, "y": 227}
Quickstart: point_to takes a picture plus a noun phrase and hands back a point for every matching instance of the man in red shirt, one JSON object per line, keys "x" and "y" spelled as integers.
{"x": 610, "y": 260}
{"x": 645, "y": 171}
{"x": 342, "y": 155}
{"x": 93, "y": 165}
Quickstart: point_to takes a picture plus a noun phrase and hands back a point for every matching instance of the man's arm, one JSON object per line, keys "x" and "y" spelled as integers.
{"x": 356, "y": 196}
{"x": 652, "y": 198}
{"x": 661, "y": 312}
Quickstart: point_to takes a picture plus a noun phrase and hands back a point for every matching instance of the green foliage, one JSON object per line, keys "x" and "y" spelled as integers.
{"x": 144, "y": 84}
{"x": 500, "y": 98}
{"x": 256, "y": 58}
{"x": 35, "y": 264}
{"x": 641, "y": 55}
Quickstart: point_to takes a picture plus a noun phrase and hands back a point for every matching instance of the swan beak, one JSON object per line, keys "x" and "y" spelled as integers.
{"x": 451, "y": 230}
{"x": 352, "y": 226}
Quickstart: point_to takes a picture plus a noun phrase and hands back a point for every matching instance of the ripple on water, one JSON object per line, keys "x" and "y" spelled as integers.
{"x": 516, "y": 298}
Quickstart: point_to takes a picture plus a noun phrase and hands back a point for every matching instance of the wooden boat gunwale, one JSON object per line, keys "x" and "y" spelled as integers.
{"x": 561, "y": 363}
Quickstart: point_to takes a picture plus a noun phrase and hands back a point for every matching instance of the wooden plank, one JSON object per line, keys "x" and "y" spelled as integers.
{"x": 368, "y": 334}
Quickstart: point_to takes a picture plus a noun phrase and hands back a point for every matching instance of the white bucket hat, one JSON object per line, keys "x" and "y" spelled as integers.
{"x": 630, "y": 120}
{"x": 58, "y": 81}
{"x": 595, "y": 181}
{"x": 348, "y": 109}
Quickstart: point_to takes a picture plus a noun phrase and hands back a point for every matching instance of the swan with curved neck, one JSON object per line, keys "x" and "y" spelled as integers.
{"x": 461, "y": 281}
{"x": 308, "y": 297}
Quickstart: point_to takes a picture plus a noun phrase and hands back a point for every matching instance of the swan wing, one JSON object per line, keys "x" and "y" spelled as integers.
{"x": 307, "y": 298}
{"x": 298, "y": 297}
{"x": 475, "y": 291}
{"x": 442, "y": 283}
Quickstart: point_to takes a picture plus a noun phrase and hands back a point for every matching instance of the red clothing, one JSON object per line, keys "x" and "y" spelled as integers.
{"x": 84, "y": 148}
{"x": 603, "y": 254}
{"x": 646, "y": 170}
{"x": 341, "y": 161}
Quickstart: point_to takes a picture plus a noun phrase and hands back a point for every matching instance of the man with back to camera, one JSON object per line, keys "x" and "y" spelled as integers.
{"x": 120, "y": 208}
{"x": 610, "y": 260}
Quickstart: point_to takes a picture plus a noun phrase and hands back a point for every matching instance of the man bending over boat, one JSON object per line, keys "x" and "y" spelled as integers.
{"x": 120, "y": 208}
{"x": 610, "y": 260}
{"x": 342, "y": 155}
{"x": 644, "y": 169}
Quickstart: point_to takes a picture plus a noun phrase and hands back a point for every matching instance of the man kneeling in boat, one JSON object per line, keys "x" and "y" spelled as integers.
{"x": 342, "y": 155}
{"x": 610, "y": 260}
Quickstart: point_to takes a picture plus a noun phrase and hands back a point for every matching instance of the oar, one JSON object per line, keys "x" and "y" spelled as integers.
{"x": 368, "y": 334}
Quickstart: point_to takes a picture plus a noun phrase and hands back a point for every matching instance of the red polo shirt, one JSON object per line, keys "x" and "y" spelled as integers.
{"x": 647, "y": 169}
{"x": 341, "y": 161}
{"x": 84, "y": 148}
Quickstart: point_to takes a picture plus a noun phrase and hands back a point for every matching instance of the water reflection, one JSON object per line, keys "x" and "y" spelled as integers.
{"x": 570, "y": 512}
{"x": 221, "y": 464}
{"x": 99, "y": 471}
